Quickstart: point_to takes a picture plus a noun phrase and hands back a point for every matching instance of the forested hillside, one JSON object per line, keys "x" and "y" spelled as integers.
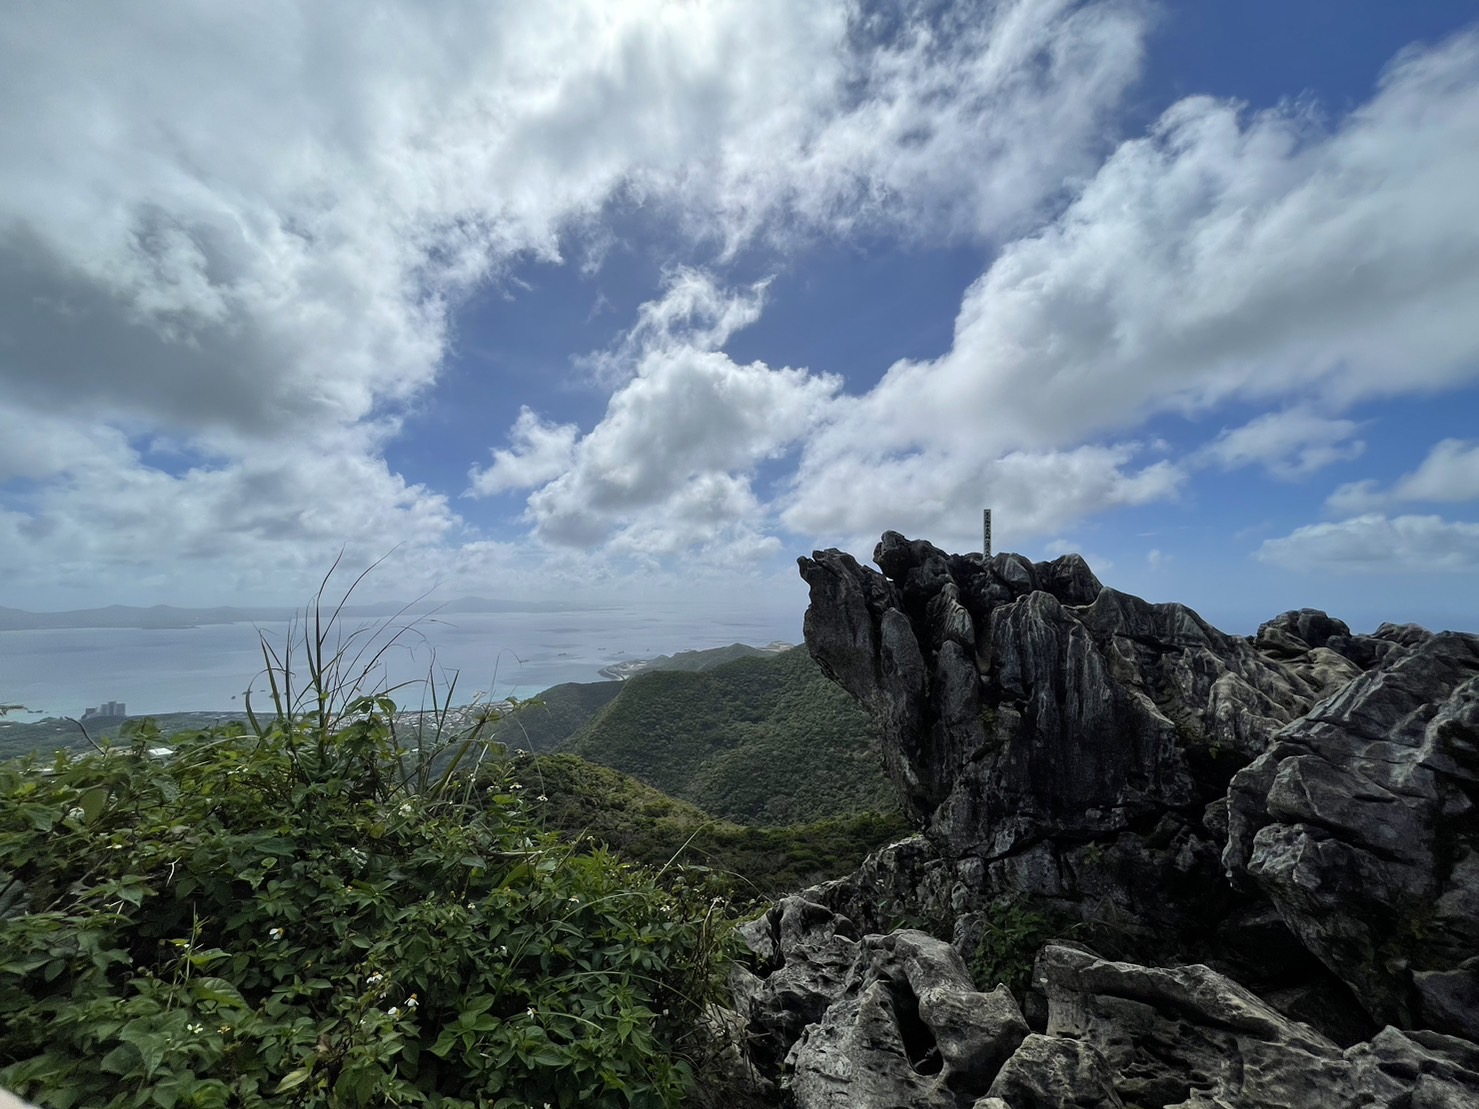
{"x": 553, "y": 716}
{"x": 757, "y": 741}
{"x": 578, "y": 798}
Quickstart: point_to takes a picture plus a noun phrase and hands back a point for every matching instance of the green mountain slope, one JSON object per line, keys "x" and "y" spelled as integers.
{"x": 553, "y": 716}
{"x": 705, "y": 659}
{"x": 766, "y": 740}
{"x": 576, "y": 798}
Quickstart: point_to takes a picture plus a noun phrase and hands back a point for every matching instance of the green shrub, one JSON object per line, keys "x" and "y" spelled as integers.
{"x": 302, "y": 915}
{"x": 1011, "y": 933}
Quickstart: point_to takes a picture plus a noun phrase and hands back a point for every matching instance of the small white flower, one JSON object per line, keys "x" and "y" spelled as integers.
{"x": 75, "y": 814}
{"x": 406, "y": 809}
{"x": 412, "y": 1001}
{"x": 531, "y": 1011}
{"x": 375, "y": 979}
{"x": 502, "y": 949}
{"x": 275, "y": 933}
{"x": 541, "y": 797}
{"x": 194, "y": 1029}
{"x": 517, "y": 786}
{"x": 393, "y": 1011}
{"x": 575, "y": 901}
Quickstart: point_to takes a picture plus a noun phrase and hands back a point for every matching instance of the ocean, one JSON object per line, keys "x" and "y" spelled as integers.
{"x": 61, "y": 672}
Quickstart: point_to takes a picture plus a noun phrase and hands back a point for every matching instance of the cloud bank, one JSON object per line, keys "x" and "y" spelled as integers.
{"x": 234, "y": 245}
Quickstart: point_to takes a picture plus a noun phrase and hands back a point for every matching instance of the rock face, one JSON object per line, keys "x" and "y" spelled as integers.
{"x": 1289, "y": 820}
{"x": 1360, "y": 823}
{"x": 1074, "y": 741}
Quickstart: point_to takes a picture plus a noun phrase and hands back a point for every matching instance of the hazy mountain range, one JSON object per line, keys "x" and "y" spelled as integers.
{"x": 168, "y": 616}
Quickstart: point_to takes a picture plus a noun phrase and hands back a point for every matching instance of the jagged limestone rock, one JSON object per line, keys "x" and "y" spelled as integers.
{"x": 1075, "y": 746}
{"x": 1360, "y": 825}
{"x": 879, "y": 1021}
{"x": 1298, "y": 806}
{"x": 1187, "y": 1036}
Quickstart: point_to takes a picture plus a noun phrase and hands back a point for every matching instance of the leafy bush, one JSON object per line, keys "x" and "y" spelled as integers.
{"x": 1007, "y": 939}
{"x": 301, "y": 914}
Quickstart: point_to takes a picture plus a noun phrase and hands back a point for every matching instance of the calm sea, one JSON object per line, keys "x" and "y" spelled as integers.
{"x": 62, "y": 672}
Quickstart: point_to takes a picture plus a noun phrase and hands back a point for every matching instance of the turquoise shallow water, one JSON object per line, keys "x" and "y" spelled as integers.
{"x": 62, "y": 672}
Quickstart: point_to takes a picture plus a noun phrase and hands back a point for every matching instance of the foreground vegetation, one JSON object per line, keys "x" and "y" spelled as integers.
{"x": 301, "y": 913}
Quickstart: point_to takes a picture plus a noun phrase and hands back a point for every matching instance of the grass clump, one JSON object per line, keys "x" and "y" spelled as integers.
{"x": 300, "y": 912}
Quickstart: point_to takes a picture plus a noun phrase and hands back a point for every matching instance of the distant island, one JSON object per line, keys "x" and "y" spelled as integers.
{"x": 168, "y": 616}
{"x": 690, "y": 660}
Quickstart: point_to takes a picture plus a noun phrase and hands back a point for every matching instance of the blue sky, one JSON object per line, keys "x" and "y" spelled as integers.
{"x": 646, "y": 299}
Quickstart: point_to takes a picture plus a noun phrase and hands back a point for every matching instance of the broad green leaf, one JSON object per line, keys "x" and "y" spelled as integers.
{"x": 293, "y": 1079}
{"x": 91, "y": 803}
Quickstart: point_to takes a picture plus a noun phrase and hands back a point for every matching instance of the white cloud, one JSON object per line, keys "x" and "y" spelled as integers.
{"x": 541, "y": 451}
{"x": 245, "y": 228}
{"x": 1449, "y": 473}
{"x": 1030, "y": 493}
{"x": 1289, "y": 444}
{"x": 1374, "y": 543}
{"x": 262, "y": 527}
{"x": 681, "y": 437}
{"x": 1217, "y": 258}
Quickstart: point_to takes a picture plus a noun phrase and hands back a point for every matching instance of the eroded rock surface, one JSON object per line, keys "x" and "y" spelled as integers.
{"x": 1276, "y": 836}
{"x": 1074, "y": 740}
{"x": 1360, "y": 824}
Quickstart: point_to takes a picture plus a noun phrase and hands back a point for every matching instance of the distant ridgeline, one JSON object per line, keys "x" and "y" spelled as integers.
{"x": 763, "y": 739}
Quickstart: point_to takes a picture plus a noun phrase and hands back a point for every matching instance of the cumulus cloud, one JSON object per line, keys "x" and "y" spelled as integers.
{"x": 1220, "y": 257}
{"x": 1289, "y": 444}
{"x": 259, "y": 527}
{"x": 1374, "y": 543}
{"x": 247, "y": 228}
{"x": 1450, "y": 473}
{"x": 540, "y": 451}
{"x": 675, "y": 450}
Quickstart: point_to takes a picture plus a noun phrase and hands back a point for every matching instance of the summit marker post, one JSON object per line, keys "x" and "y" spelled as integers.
{"x": 986, "y": 531}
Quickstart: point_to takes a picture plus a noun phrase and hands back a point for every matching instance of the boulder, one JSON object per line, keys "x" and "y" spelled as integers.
{"x": 885, "y": 1020}
{"x": 1187, "y": 1036}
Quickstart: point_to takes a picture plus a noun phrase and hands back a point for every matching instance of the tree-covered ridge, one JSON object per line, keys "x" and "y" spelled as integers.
{"x": 552, "y": 717}
{"x": 756, "y": 741}
{"x": 582, "y": 800}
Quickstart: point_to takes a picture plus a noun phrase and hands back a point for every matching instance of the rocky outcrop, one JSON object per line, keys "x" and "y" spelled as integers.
{"x": 904, "y": 1027}
{"x": 1263, "y": 850}
{"x": 1360, "y": 823}
{"x": 1069, "y": 741}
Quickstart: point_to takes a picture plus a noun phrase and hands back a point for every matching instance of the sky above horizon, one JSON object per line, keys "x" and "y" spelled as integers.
{"x": 646, "y": 299}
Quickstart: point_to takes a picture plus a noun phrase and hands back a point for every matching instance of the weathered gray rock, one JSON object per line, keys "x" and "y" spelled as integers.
{"x": 1049, "y": 1072}
{"x": 1068, "y": 737}
{"x": 1300, "y": 807}
{"x": 1360, "y": 825}
{"x": 805, "y": 953}
{"x": 901, "y": 1025}
{"x": 1187, "y": 1036}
